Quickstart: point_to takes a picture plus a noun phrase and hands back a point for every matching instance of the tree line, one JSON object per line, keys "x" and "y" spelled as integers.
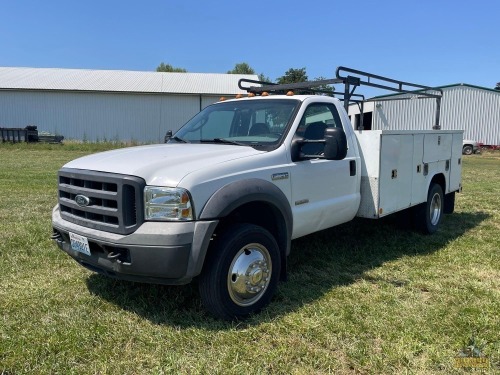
{"x": 291, "y": 75}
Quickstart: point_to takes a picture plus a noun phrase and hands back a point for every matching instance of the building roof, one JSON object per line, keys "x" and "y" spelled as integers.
{"x": 441, "y": 87}
{"x": 468, "y": 85}
{"x": 55, "y": 79}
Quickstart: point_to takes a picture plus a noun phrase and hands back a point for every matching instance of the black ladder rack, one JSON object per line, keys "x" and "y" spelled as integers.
{"x": 351, "y": 81}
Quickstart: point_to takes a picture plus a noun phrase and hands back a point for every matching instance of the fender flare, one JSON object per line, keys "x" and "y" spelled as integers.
{"x": 235, "y": 194}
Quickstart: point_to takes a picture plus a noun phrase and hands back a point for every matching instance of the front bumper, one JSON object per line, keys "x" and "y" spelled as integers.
{"x": 157, "y": 252}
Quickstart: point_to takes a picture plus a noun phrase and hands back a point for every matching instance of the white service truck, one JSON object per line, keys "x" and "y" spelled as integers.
{"x": 225, "y": 196}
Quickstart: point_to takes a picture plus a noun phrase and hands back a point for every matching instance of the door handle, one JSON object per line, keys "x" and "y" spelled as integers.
{"x": 352, "y": 167}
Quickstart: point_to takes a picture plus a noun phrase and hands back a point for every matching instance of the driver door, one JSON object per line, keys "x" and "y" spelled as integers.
{"x": 324, "y": 192}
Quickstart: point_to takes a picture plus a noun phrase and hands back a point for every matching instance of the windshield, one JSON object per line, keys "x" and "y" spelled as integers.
{"x": 244, "y": 122}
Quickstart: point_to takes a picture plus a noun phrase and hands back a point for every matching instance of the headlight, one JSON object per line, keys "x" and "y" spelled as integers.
{"x": 163, "y": 203}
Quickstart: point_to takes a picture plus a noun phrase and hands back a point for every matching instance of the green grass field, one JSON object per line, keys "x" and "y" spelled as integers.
{"x": 367, "y": 297}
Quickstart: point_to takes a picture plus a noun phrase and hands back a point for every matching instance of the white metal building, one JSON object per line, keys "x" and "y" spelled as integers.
{"x": 97, "y": 105}
{"x": 476, "y": 110}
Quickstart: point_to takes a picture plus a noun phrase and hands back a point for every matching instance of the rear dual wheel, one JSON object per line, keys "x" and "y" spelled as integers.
{"x": 241, "y": 272}
{"x": 428, "y": 215}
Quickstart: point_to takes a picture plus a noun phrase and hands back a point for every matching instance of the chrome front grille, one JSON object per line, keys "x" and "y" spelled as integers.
{"x": 103, "y": 201}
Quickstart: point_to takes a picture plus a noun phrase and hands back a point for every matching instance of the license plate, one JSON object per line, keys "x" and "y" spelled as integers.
{"x": 79, "y": 243}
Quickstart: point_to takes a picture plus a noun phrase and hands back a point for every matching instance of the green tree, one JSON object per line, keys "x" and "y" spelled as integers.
{"x": 293, "y": 76}
{"x": 299, "y": 75}
{"x": 329, "y": 89}
{"x": 497, "y": 86}
{"x": 242, "y": 68}
{"x": 264, "y": 78}
{"x": 169, "y": 68}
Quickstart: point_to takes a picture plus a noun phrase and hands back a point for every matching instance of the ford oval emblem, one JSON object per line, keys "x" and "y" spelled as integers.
{"x": 82, "y": 200}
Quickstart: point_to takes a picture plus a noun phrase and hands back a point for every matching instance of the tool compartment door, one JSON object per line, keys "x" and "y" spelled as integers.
{"x": 437, "y": 147}
{"x": 456, "y": 163}
{"x": 396, "y": 160}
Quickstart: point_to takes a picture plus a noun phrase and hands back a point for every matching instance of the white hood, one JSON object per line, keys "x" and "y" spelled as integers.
{"x": 162, "y": 165}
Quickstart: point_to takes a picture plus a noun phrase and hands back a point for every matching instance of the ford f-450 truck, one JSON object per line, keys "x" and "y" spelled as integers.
{"x": 222, "y": 200}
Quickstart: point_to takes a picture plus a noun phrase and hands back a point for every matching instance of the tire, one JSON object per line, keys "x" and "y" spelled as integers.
{"x": 449, "y": 203}
{"x": 428, "y": 215}
{"x": 241, "y": 272}
{"x": 467, "y": 150}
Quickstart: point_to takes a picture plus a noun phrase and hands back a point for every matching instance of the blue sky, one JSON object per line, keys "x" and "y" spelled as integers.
{"x": 430, "y": 42}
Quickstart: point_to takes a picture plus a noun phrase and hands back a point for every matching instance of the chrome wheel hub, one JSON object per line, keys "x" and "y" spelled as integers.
{"x": 435, "y": 209}
{"x": 249, "y": 274}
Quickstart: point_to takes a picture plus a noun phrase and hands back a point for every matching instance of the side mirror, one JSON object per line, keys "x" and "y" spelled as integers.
{"x": 335, "y": 144}
{"x": 168, "y": 135}
{"x": 296, "y": 150}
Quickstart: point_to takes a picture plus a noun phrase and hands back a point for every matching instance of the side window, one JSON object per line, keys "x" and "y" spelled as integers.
{"x": 316, "y": 119}
{"x": 320, "y": 116}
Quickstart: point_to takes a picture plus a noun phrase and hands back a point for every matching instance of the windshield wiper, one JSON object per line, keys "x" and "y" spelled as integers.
{"x": 179, "y": 139}
{"x": 222, "y": 140}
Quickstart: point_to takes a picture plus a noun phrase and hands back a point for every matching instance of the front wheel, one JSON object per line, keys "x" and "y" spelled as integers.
{"x": 428, "y": 215}
{"x": 241, "y": 272}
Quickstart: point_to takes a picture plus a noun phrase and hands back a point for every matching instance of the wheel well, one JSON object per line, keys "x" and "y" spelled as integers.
{"x": 440, "y": 179}
{"x": 264, "y": 215}
{"x": 467, "y": 145}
